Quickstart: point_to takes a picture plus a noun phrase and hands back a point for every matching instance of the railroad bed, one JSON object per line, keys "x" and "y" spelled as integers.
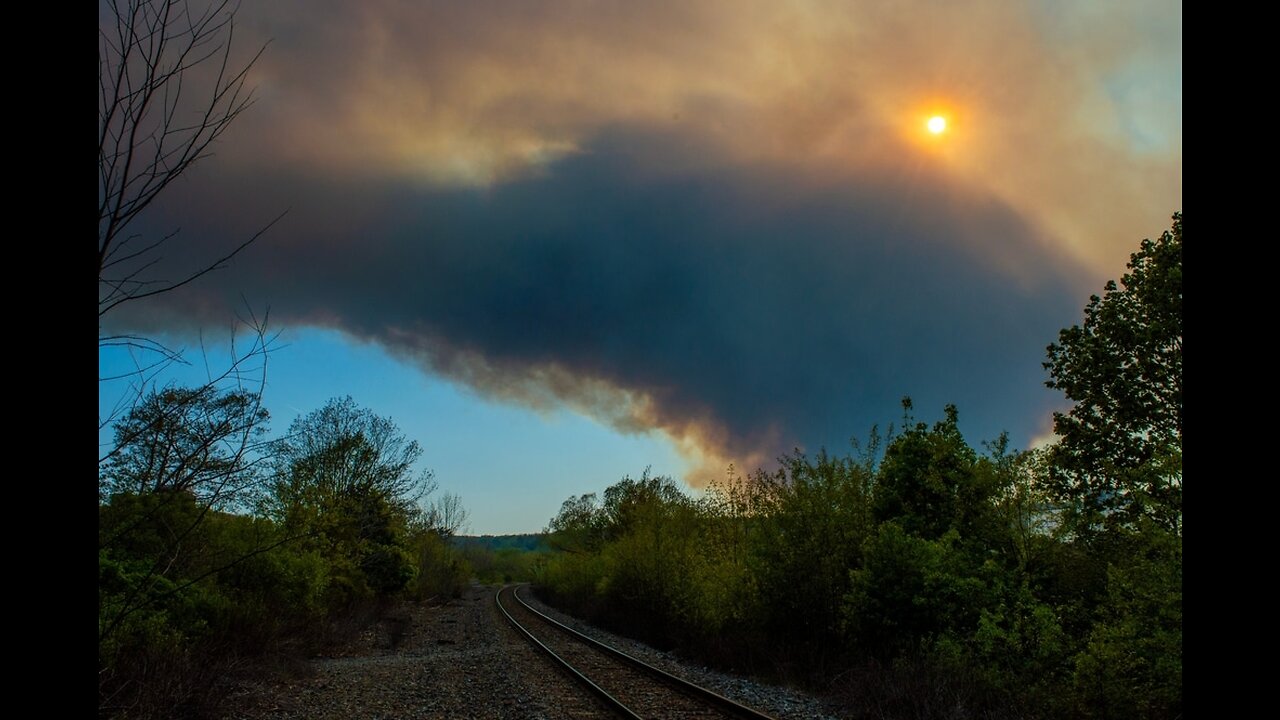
{"x": 631, "y": 687}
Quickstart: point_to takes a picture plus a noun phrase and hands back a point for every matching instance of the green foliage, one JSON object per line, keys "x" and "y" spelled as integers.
{"x": 1020, "y": 635}
{"x": 344, "y": 485}
{"x": 1120, "y": 454}
{"x": 931, "y": 482}
{"x": 1118, "y": 471}
{"x": 813, "y": 518}
{"x": 579, "y": 526}
{"x": 936, "y": 581}
{"x": 913, "y": 591}
{"x": 500, "y": 559}
{"x": 652, "y": 551}
{"x": 441, "y": 570}
{"x": 187, "y": 591}
{"x": 1132, "y": 665}
{"x": 635, "y": 556}
{"x": 344, "y": 453}
{"x": 504, "y": 565}
{"x": 533, "y": 542}
{"x": 183, "y": 590}
{"x": 203, "y": 441}
{"x": 579, "y": 580}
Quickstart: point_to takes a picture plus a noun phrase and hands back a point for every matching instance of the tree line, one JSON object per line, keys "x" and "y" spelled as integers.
{"x": 918, "y": 576}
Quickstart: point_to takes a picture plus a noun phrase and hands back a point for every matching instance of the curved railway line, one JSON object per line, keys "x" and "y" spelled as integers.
{"x": 629, "y": 686}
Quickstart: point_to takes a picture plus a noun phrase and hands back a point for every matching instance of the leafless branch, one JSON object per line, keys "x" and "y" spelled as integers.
{"x": 152, "y": 126}
{"x": 245, "y": 371}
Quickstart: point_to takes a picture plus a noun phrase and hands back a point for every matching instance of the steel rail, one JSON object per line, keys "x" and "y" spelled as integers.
{"x": 614, "y": 703}
{"x": 680, "y": 683}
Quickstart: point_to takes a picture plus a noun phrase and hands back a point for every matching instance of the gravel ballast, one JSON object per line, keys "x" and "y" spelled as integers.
{"x": 462, "y": 660}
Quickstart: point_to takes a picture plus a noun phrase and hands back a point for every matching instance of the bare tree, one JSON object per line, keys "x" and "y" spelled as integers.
{"x": 446, "y": 516}
{"x": 169, "y": 86}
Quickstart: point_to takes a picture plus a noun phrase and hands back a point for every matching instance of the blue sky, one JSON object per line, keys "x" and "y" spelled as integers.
{"x": 559, "y": 243}
{"x": 512, "y": 466}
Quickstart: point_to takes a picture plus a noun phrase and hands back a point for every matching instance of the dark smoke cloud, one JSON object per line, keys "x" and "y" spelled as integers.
{"x": 743, "y": 309}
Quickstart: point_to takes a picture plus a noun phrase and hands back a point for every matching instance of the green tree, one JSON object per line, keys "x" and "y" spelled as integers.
{"x": 579, "y": 526}
{"x": 345, "y": 451}
{"x": 1131, "y": 665}
{"x": 928, "y": 481}
{"x": 203, "y": 441}
{"x": 181, "y": 455}
{"x": 1120, "y": 454}
{"x": 345, "y": 479}
{"x": 649, "y": 525}
{"x": 815, "y": 518}
{"x": 912, "y": 589}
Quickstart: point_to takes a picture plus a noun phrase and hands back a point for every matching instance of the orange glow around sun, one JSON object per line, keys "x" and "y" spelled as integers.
{"x": 933, "y": 126}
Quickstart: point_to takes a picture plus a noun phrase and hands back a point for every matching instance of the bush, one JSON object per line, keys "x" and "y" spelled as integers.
{"x": 442, "y": 572}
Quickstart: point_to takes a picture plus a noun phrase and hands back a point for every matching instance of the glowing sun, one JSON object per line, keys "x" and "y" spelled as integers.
{"x": 936, "y": 124}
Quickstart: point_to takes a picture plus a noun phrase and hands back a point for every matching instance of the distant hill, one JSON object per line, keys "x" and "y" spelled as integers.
{"x": 527, "y": 541}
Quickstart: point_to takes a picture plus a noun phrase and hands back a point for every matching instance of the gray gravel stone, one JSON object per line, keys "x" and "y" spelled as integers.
{"x": 462, "y": 660}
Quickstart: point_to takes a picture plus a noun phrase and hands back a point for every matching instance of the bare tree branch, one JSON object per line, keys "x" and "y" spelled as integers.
{"x": 152, "y": 128}
{"x": 245, "y": 372}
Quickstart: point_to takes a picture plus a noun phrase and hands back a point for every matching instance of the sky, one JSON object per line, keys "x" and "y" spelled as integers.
{"x": 561, "y": 242}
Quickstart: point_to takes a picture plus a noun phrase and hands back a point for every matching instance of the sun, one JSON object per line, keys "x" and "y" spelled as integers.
{"x": 936, "y": 126}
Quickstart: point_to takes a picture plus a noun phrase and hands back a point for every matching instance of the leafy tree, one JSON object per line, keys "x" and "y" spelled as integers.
{"x": 442, "y": 569}
{"x": 814, "y": 518}
{"x": 202, "y": 441}
{"x": 181, "y": 454}
{"x": 186, "y": 595}
{"x": 648, "y": 523}
{"x": 927, "y": 480}
{"x": 1131, "y": 665}
{"x": 631, "y": 502}
{"x": 579, "y": 525}
{"x": 1120, "y": 456}
{"x": 345, "y": 451}
{"x": 911, "y": 589}
{"x": 345, "y": 479}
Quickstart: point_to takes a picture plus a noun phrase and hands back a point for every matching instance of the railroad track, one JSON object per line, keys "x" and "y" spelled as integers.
{"x": 629, "y": 686}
